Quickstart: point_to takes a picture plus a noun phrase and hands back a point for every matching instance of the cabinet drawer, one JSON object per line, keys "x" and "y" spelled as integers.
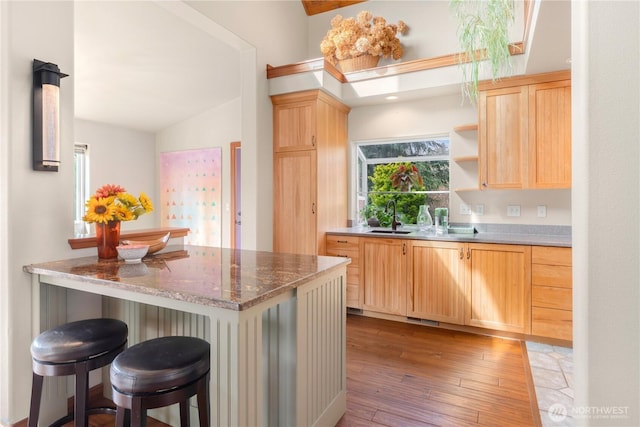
{"x": 550, "y": 255}
{"x": 551, "y": 297}
{"x": 340, "y": 243}
{"x": 552, "y": 323}
{"x": 551, "y": 275}
{"x": 353, "y": 274}
{"x": 353, "y": 255}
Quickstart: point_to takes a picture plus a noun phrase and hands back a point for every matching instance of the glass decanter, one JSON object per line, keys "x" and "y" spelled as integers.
{"x": 424, "y": 219}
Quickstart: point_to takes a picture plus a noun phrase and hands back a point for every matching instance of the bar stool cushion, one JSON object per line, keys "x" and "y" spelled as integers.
{"x": 160, "y": 364}
{"x": 76, "y": 341}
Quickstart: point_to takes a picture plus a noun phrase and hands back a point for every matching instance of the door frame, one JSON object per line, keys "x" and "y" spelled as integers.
{"x": 233, "y": 149}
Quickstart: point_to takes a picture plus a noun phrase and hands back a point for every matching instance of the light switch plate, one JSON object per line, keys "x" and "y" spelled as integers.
{"x": 479, "y": 210}
{"x": 513, "y": 210}
{"x": 465, "y": 209}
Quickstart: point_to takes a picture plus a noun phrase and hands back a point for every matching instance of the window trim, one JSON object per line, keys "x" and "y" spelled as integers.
{"x": 81, "y": 179}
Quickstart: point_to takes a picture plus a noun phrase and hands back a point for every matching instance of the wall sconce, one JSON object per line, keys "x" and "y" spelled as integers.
{"x": 46, "y": 116}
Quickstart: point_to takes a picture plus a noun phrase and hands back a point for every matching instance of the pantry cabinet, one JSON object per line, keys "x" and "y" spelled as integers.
{"x": 436, "y": 281}
{"x": 309, "y": 170}
{"x": 525, "y": 132}
{"x": 498, "y": 287}
{"x": 384, "y": 275}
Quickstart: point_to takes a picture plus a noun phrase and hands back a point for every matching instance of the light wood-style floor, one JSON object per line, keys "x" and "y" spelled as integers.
{"x": 412, "y": 375}
{"x": 404, "y": 375}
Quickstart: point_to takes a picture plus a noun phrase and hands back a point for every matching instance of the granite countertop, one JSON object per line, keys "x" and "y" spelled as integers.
{"x": 218, "y": 277}
{"x": 535, "y": 235}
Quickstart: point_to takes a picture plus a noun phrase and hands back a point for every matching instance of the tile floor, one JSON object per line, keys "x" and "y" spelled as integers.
{"x": 552, "y": 370}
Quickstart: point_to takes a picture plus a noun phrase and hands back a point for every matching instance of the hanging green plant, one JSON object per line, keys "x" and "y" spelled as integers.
{"x": 483, "y": 33}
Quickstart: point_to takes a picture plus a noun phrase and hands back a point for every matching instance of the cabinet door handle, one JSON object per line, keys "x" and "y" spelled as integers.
{"x": 461, "y": 253}
{"x": 484, "y": 184}
{"x": 313, "y": 208}
{"x": 313, "y": 140}
{"x": 468, "y": 253}
{"x": 342, "y": 241}
{"x": 404, "y": 249}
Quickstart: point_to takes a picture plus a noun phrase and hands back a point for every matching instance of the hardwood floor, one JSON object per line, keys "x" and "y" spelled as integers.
{"x": 405, "y": 375}
{"x": 411, "y": 375}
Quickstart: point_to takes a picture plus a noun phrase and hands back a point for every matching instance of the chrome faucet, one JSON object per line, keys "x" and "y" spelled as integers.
{"x": 394, "y": 220}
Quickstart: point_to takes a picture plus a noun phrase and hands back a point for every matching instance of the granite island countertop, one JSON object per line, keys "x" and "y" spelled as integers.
{"x": 533, "y": 235}
{"x": 219, "y": 277}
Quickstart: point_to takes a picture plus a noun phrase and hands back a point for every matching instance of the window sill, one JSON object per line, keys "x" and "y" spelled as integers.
{"x": 146, "y": 234}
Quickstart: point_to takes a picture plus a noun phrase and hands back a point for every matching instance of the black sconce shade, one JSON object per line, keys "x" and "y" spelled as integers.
{"x": 46, "y": 116}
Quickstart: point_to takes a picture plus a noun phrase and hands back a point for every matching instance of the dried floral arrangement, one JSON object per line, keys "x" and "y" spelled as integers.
{"x": 364, "y": 35}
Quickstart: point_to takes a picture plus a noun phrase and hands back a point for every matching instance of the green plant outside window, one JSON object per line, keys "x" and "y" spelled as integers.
{"x": 381, "y": 167}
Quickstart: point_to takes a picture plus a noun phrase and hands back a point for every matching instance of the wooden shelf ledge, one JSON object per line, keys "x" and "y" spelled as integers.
{"x": 466, "y": 128}
{"x": 465, "y": 159}
{"x": 145, "y": 234}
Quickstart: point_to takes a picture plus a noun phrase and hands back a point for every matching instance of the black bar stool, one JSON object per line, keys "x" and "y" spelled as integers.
{"x": 160, "y": 372}
{"x": 75, "y": 348}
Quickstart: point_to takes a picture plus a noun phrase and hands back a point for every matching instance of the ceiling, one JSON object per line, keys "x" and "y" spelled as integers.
{"x": 132, "y": 72}
{"x": 139, "y": 66}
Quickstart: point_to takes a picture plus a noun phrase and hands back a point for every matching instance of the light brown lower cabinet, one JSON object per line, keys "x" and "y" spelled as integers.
{"x": 348, "y": 247}
{"x": 383, "y": 269}
{"x": 512, "y": 288}
{"x": 498, "y": 287}
{"x": 436, "y": 281}
{"x": 551, "y": 299}
{"x": 480, "y": 285}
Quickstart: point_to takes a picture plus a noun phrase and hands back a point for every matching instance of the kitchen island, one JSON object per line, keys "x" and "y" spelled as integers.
{"x": 276, "y": 324}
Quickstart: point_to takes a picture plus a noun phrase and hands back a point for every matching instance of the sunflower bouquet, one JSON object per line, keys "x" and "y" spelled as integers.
{"x": 113, "y": 203}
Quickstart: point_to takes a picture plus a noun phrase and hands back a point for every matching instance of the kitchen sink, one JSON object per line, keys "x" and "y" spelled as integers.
{"x": 389, "y": 231}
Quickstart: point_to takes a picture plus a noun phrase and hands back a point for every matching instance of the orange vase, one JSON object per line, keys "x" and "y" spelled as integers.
{"x": 107, "y": 238}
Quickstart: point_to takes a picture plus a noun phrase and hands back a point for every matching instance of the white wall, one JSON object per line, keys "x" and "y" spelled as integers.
{"x": 437, "y": 116}
{"x": 276, "y": 29}
{"x": 217, "y": 127}
{"x": 37, "y": 208}
{"x": 606, "y": 198}
{"x": 124, "y": 157}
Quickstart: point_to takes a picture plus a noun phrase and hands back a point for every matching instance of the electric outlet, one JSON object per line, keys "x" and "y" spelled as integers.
{"x": 465, "y": 209}
{"x": 479, "y": 210}
{"x": 542, "y": 211}
{"x": 513, "y": 210}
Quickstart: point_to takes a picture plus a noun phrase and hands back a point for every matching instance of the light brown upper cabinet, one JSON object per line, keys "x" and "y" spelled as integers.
{"x": 525, "y": 132}
{"x": 309, "y": 170}
{"x": 550, "y": 135}
{"x": 503, "y": 137}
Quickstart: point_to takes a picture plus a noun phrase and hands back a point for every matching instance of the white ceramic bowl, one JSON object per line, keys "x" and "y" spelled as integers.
{"x": 132, "y": 253}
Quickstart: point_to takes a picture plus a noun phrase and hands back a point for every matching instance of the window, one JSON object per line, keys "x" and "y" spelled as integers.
{"x": 81, "y": 180}
{"x": 378, "y": 160}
